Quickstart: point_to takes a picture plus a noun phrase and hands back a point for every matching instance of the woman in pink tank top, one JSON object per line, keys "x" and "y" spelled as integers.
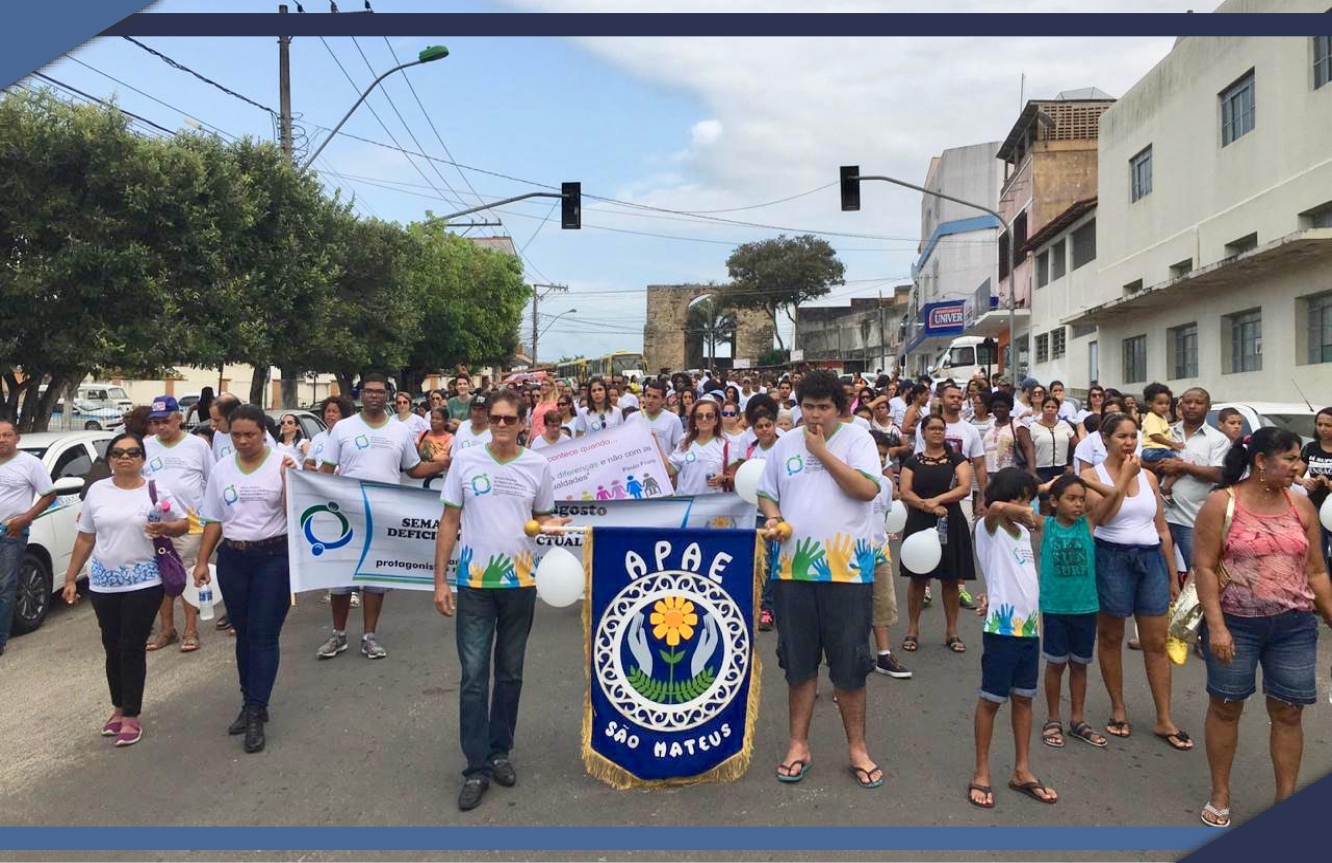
{"x": 1264, "y": 615}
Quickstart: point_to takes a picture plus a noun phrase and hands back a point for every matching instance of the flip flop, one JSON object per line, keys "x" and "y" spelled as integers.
{"x": 1029, "y": 789}
{"x": 863, "y": 775}
{"x": 955, "y": 644}
{"x": 160, "y": 641}
{"x": 790, "y": 777}
{"x": 223, "y": 622}
{"x": 1176, "y": 740}
{"x": 1113, "y": 727}
{"x": 1221, "y": 816}
{"x": 910, "y": 643}
{"x": 1084, "y": 732}
{"x": 189, "y": 644}
{"x": 984, "y": 789}
{"x": 1055, "y": 740}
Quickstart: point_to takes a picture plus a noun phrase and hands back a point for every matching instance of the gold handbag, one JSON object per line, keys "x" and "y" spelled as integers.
{"x": 1186, "y": 613}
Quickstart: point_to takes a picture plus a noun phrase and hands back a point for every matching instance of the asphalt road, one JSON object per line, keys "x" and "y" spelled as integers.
{"x": 356, "y": 742}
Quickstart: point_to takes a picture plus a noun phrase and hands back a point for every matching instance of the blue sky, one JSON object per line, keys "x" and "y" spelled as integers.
{"x": 684, "y": 124}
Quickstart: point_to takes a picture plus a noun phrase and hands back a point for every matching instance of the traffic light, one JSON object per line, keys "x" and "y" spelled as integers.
{"x": 850, "y": 187}
{"x": 571, "y": 206}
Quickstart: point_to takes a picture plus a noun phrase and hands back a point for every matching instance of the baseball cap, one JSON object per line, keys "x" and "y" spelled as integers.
{"x": 163, "y": 406}
{"x": 1028, "y": 383}
{"x": 479, "y": 401}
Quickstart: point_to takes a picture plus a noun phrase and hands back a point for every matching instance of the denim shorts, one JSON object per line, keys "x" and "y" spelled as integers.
{"x": 1152, "y": 455}
{"x": 360, "y": 588}
{"x": 824, "y": 619}
{"x": 1287, "y": 647}
{"x": 1069, "y": 636}
{"x": 1010, "y": 665}
{"x": 1131, "y": 580}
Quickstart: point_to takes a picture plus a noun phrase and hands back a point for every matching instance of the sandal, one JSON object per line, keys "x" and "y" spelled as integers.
{"x": 1029, "y": 789}
{"x": 224, "y": 622}
{"x": 984, "y": 789}
{"x": 1220, "y": 817}
{"x": 795, "y": 777}
{"x": 955, "y": 644}
{"x": 1082, "y": 731}
{"x": 910, "y": 643}
{"x": 1177, "y": 740}
{"x": 1118, "y": 728}
{"x": 189, "y": 643}
{"x": 160, "y": 640}
{"x": 1052, "y": 734}
{"x": 863, "y": 774}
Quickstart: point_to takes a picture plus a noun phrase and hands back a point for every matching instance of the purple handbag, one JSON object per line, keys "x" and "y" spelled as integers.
{"x": 169, "y": 564}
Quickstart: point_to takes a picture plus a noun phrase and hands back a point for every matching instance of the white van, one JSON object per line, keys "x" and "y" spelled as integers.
{"x": 106, "y": 395}
{"x": 963, "y": 358}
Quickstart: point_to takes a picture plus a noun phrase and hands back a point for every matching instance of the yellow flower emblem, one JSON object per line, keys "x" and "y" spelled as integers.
{"x": 673, "y": 619}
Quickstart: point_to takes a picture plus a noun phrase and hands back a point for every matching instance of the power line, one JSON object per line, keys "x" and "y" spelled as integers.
{"x": 79, "y": 92}
{"x": 149, "y": 96}
{"x": 182, "y": 67}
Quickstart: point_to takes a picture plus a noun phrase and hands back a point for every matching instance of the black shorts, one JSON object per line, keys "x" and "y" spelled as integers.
{"x": 823, "y": 618}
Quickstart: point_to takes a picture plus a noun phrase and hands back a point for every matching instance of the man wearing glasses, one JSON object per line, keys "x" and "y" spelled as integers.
{"x": 22, "y": 476}
{"x": 491, "y": 492}
{"x": 369, "y": 446}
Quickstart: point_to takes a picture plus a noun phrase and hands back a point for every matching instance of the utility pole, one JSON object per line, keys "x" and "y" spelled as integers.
{"x": 537, "y": 297}
{"x": 290, "y": 385}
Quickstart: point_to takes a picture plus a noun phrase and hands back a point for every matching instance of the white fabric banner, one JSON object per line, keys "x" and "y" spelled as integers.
{"x": 344, "y": 532}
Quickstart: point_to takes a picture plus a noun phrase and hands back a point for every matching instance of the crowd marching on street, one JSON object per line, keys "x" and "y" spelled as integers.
{"x": 1077, "y": 519}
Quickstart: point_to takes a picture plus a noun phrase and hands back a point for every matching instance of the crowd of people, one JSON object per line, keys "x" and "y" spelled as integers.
{"x": 1077, "y": 518}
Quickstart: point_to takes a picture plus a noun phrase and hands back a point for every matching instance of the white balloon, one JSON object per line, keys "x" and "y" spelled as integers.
{"x": 747, "y": 480}
{"x": 1325, "y": 513}
{"x": 921, "y": 552}
{"x": 191, "y": 594}
{"x": 897, "y": 517}
{"x": 559, "y": 578}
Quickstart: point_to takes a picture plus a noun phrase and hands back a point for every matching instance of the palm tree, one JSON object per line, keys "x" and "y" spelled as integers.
{"x": 712, "y": 318}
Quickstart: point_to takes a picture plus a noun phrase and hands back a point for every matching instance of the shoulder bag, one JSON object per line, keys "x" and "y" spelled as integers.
{"x": 169, "y": 564}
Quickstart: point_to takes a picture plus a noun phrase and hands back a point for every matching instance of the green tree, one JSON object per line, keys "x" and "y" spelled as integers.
{"x": 779, "y": 274}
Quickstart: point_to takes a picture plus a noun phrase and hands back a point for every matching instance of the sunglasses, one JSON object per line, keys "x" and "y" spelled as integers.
{"x": 730, "y": 413}
{"x": 509, "y": 420}
{"x": 705, "y": 416}
{"x": 132, "y": 452}
{"x": 289, "y": 422}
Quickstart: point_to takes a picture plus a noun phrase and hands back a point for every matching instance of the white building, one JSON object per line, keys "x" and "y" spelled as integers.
{"x": 957, "y": 251}
{"x": 1215, "y": 213}
{"x": 1064, "y": 272}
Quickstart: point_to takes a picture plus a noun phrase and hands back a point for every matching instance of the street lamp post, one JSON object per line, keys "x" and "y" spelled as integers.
{"x": 851, "y": 177}
{"x": 546, "y": 329}
{"x": 429, "y": 55}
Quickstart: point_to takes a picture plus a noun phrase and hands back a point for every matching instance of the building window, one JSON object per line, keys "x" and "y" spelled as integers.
{"x": 1322, "y": 60}
{"x": 1003, "y": 256}
{"x": 1183, "y": 268}
{"x": 1084, "y": 244}
{"x": 1043, "y": 347}
{"x": 1080, "y": 331}
{"x": 1318, "y": 217}
{"x": 1020, "y": 230}
{"x": 1183, "y": 344}
{"x": 1057, "y": 343}
{"x": 1057, "y": 261}
{"x": 1133, "y": 287}
{"x": 1140, "y": 173}
{"x": 1235, "y": 248}
{"x": 1246, "y": 341}
{"x": 1135, "y": 359}
{"x": 1237, "y": 110}
{"x": 1318, "y": 311}
{"x": 1042, "y": 269}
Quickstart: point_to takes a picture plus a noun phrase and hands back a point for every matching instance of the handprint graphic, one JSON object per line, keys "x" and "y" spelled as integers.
{"x": 784, "y": 568}
{"x": 867, "y": 557}
{"x": 498, "y": 572}
{"x": 638, "y": 644}
{"x": 839, "y": 557}
{"x": 807, "y": 552}
{"x": 468, "y": 572}
{"x": 523, "y": 566}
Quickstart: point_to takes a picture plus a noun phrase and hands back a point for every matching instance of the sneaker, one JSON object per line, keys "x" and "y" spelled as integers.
{"x": 371, "y": 648}
{"x": 964, "y": 599}
{"x": 474, "y": 788}
{"x": 501, "y": 770}
{"x": 331, "y": 648}
{"x": 131, "y": 732}
{"x": 355, "y": 600}
{"x": 765, "y": 620}
{"x": 929, "y": 597}
{"x": 1134, "y": 644}
{"x": 890, "y": 666}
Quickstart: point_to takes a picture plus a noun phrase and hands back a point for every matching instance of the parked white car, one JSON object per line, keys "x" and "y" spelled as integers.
{"x": 68, "y": 456}
{"x": 1298, "y": 418}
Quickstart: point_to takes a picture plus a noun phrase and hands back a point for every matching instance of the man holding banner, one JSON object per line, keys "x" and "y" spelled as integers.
{"x": 822, "y": 480}
{"x": 491, "y": 492}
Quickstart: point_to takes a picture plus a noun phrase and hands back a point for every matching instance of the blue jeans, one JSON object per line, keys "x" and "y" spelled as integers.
{"x": 257, "y": 586}
{"x": 1286, "y": 645}
{"x": 1182, "y": 536}
{"x": 11, "y": 556}
{"x": 493, "y": 621}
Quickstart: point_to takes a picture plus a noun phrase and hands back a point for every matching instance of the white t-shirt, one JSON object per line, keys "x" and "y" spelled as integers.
{"x": 362, "y": 451}
{"x": 465, "y": 438}
{"x": 589, "y": 421}
{"x": 694, "y": 465}
{"x": 318, "y": 444}
{"x": 862, "y": 422}
{"x": 415, "y": 422}
{"x": 497, "y": 499}
{"x": 247, "y": 505}
{"x": 293, "y": 450}
{"x": 123, "y": 558}
{"x": 898, "y": 406}
{"x": 738, "y": 439}
{"x": 1022, "y": 413}
{"x": 665, "y": 427}
{"x": 825, "y": 521}
{"x": 539, "y": 442}
{"x": 878, "y": 524}
{"x": 961, "y": 437}
{"x": 183, "y": 466}
{"x": 628, "y": 400}
{"x": 22, "y": 478}
{"x": 222, "y": 447}
{"x": 1011, "y": 581}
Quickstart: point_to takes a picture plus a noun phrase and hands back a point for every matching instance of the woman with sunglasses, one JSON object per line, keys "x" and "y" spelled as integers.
{"x": 403, "y": 413}
{"x": 1095, "y": 400}
{"x": 244, "y": 511}
{"x": 733, "y": 426}
{"x": 290, "y": 438}
{"x": 565, "y": 415}
{"x": 124, "y": 583}
{"x": 600, "y": 413}
{"x": 547, "y": 401}
{"x": 698, "y": 465}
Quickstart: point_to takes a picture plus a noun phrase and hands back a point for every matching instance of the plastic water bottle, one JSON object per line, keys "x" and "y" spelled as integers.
{"x": 943, "y": 530}
{"x": 206, "y": 602}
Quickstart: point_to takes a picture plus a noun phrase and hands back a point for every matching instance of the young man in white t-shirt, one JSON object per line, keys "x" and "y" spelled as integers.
{"x": 369, "y": 446}
{"x": 666, "y": 428}
{"x": 822, "y": 481}
{"x": 22, "y": 477}
{"x": 490, "y": 494}
{"x": 476, "y": 431}
{"x": 960, "y": 436}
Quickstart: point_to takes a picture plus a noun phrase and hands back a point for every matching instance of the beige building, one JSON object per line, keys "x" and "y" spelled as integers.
{"x": 1214, "y": 259}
